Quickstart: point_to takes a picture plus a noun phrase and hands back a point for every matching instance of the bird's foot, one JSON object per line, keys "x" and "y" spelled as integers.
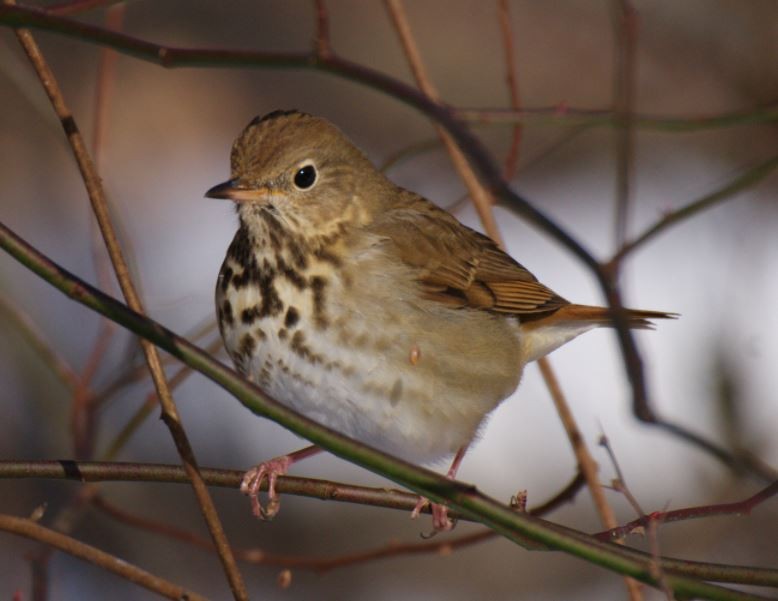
{"x": 252, "y": 482}
{"x": 440, "y": 519}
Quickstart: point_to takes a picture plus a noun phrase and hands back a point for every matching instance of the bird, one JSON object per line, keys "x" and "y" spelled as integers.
{"x": 368, "y": 308}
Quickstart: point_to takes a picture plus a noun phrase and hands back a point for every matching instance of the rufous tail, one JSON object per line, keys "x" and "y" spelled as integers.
{"x": 603, "y": 317}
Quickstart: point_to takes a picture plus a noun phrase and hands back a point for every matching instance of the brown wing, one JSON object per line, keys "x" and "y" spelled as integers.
{"x": 458, "y": 266}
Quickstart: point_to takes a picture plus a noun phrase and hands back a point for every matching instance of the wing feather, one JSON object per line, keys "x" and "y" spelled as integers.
{"x": 459, "y": 267}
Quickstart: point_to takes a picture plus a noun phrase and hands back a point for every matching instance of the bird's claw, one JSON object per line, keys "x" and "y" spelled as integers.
{"x": 252, "y": 482}
{"x": 440, "y": 519}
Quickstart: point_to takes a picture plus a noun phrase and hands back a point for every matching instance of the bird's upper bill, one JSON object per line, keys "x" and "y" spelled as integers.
{"x": 233, "y": 190}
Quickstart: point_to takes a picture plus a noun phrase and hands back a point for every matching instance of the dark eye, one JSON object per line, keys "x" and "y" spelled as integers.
{"x": 305, "y": 177}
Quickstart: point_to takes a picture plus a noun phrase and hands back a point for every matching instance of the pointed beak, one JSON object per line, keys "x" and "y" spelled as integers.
{"x": 233, "y": 190}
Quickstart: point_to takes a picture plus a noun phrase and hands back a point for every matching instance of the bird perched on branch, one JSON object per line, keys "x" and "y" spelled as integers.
{"x": 367, "y": 308}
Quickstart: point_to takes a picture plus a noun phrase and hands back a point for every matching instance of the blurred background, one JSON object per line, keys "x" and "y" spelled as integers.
{"x": 166, "y": 140}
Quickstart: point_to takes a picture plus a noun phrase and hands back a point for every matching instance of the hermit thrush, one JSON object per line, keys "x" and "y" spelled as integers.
{"x": 366, "y": 307}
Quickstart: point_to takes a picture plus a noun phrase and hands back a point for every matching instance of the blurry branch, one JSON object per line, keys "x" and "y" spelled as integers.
{"x": 135, "y": 371}
{"x": 586, "y": 464}
{"x": 83, "y": 408}
{"x": 512, "y": 81}
{"x": 407, "y": 153}
{"x": 99, "y": 204}
{"x": 323, "y": 43}
{"x": 619, "y": 483}
{"x": 564, "y": 115}
{"x": 742, "y": 182}
{"x": 625, "y": 27}
{"x": 74, "y": 7}
{"x": 520, "y": 528}
{"x": 37, "y": 341}
{"x": 744, "y": 507}
{"x": 151, "y": 402}
{"x": 28, "y": 528}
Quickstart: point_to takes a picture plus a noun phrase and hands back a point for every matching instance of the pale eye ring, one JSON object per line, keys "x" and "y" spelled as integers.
{"x": 305, "y": 177}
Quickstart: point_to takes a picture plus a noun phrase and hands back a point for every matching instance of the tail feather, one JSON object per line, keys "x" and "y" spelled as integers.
{"x": 637, "y": 319}
{"x": 541, "y": 336}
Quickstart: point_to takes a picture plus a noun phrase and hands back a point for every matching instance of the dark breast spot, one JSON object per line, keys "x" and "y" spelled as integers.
{"x": 318, "y": 285}
{"x": 326, "y": 256}
{"x": 300, "y": 348}
{"x": 247, "y": 316}
{"x": 271, "y": 303}
{"x": 291, "y": 274}
{"x": 224, "y": 278}
{"x": 292, "y": 317}
{"x": 226, "y": 313}
{"x": 247, "y": 345}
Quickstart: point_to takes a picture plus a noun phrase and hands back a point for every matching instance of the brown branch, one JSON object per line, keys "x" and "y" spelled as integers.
{"x": 323, "y": 42}
{"x": 34, "y": 531}
{"x": 322, "y": 564}
{"x": 99, "y": 207}
{"x": 619, "y": 484}
{"x": 37, "y": 341}
{"x": 83, "y": 408}
{"x": 625, "y": 23}
{"x": 744, "y": 507}
{"x": 143, "y": 412}
{"x": 74, "y": 7}
{"x": 577, "y": 117}
{"x": 586, "y": 464}
{"x": 511, "y": 78}
{"x": 744, "y": 181}
{"x": 90, "y": 471}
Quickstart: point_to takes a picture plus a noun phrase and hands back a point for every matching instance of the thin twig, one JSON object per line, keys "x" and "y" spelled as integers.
{"x": 32, "y": 530}
{"x": 744, "y": 507}
{"x": 576, "y": 117}
{"x": 586, "y": 463}
{"x": 74, "y": 7}
{"x": 620, "y": 483}
{"x": 83, "y": 407}
{"x": 512, "y": 80}
{"x": 99, "y": 206}
{"x": 744, "y": 181}
{"x": 142, "y": 413}
{"x": 103, "y": 471}
{"x": 35, "y": 338}
{"x": 323, "y": 43}
{"x": 625, "y": 34}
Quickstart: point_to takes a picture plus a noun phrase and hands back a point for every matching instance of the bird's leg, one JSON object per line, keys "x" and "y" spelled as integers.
{"x": 252, "y": 481}
{"x": 440, "y": 521}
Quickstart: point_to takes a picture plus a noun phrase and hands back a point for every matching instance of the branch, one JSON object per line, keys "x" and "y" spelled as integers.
{"x": 99, "y": 204}
{"x": 32, "y": 530}
{"x": 742, "y": 182}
